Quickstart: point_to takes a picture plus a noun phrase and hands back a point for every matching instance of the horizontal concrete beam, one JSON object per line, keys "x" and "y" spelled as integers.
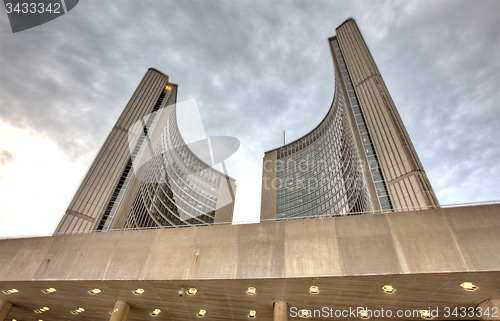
{"x": 462, "y": 239}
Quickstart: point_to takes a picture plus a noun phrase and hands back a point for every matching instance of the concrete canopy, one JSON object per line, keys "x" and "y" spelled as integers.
{"x": 424, "y": 255}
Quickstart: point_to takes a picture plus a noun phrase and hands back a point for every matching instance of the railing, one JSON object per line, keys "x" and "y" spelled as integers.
{"x": 268, "y": 220}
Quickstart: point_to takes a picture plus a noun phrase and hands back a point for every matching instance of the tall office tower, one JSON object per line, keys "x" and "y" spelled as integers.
{"x": 145, "y": 175}
{"x": 358, "y": 159}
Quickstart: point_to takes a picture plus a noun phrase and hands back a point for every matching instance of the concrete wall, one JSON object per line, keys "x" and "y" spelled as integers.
{"x": 93, "y": 195}
{"x": 458, "y": 239}
{"x": 407, "y": 182}
{"x": 268, "y": 199}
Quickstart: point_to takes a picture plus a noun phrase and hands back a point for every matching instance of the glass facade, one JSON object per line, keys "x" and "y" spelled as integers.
{"x": 373, "y": 163}
{"x": 318, "y": 175}
{"x": 178, "y": 189}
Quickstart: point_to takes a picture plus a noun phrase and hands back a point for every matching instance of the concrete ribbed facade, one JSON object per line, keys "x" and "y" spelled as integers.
{"x": 358, "y": 159}
{"x": 407, "y": 183}
{"x": 111, "y": 192}
{"x": 93, "y": 196}
{"x": 179, "y": 189}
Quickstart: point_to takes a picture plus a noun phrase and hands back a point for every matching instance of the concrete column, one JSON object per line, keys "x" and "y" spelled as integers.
{"x": 4, "y": 309}
{"x": 492, "y": 307}
{"x": 120, "y": 311}
{"x": 280, "y": 311}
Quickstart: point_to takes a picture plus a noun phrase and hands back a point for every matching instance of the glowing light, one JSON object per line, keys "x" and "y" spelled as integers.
{"x": 155, "y": 312}
{"x": 94, "y": 291}
{"x": 77, "y": 311}
{"x": 202, "y": 313}
{"x": 41, "y": 310}
{"x": 468, "y": 286}
{"x": 313, "y": 290}
{"x": 388, "y": 289}
{"x": 363, "y": 314}
{"x": 251, "y": 290}
{"x": 138, "y": 291}
{"x": 11, "y": 291}
{"x": 426, "y": 314}
{"x": 191, "y": 291}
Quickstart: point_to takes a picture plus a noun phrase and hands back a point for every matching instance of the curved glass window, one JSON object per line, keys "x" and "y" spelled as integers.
{"x": 318, "y": 174}
{"x": 179, "y": 189}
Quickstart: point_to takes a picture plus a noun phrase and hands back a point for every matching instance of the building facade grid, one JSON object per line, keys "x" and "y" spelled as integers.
{"x": 318, "y": 175}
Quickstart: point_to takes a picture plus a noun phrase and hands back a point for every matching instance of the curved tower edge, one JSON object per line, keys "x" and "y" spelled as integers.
{"x": 392, "y": 175}
{"x": 110, "y": 186}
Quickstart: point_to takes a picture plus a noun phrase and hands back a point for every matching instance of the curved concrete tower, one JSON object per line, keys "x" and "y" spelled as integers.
{"x": 359, "y": 159}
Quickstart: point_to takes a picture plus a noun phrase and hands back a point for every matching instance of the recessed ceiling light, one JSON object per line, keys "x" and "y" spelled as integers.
{"x": 363, "y": 314}
{"x": 304, "y": 313}
{"x": 155, "y": 312}
{"x": 388, "y": 289}
{"x": 313, "y": 290}
{"x": 49, "y": 290}
{"x": 191, "y": 291}
{"x": 138, "y": 291}
{"x": 79, "y": 310}
{"x": 252, "y": 314}
{"x": 251, "y": 290}
{"x": 41, "y": 310}
{"x": 11, "y": 291}
{"x": 426, "y": 314}
{"x": 468, "y": 286}
{"x": 94, "y": 291}
{"x": 202, "y": 313}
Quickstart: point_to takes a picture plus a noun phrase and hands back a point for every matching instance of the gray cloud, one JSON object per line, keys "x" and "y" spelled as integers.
{"x": 5, "y": 157}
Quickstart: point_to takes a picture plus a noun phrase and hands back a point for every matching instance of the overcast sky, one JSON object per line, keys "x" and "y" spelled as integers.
{"x": 255, "y": 69}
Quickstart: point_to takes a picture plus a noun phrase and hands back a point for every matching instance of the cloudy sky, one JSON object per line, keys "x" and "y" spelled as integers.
{"x": 255, "y": 69}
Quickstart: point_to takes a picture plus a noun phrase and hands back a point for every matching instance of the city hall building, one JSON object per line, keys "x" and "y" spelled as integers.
{"x": 359, "y": 159}
{"x": 112, "y": 256}
{"x": 145, "y": 175}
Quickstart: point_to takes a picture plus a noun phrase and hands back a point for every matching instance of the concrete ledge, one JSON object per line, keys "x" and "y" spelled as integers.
{"x": 463, "y": 239}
